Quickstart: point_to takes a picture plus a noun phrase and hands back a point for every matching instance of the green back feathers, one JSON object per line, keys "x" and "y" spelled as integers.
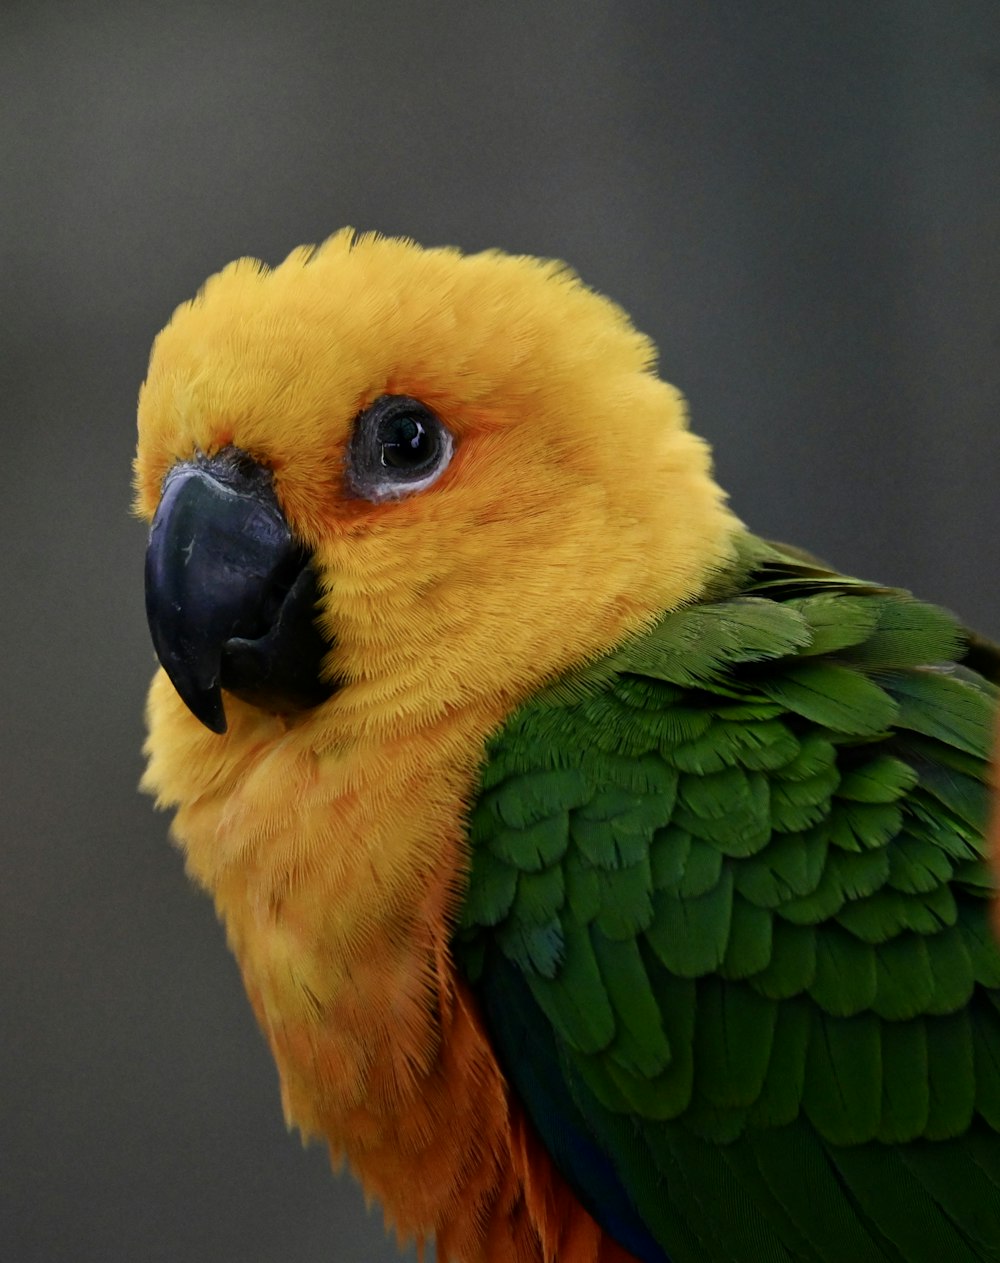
{"x": 738, "y": 866}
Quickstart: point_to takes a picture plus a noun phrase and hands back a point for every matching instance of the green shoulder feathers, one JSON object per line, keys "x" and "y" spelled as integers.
{"x": 728, "y": 918}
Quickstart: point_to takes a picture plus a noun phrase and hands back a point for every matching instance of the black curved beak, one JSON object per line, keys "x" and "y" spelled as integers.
{"x": 230, "y": 593}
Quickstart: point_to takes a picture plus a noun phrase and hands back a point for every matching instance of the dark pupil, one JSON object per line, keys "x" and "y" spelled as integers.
{"x": 405, "y": 443}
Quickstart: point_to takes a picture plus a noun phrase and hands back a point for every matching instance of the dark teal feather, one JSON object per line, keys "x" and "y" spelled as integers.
{"x": 905, "y": 1083}
{"x": 792, "y": 967}
{"x": 845, "y": 981}
{"x": 951, "y": 1076}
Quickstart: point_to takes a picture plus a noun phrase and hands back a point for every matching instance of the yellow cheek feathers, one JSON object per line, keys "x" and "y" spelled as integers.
{"x": 576, "y": 508}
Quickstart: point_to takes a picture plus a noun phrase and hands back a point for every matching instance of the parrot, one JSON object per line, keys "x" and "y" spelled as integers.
{"x": 609, "y": 883}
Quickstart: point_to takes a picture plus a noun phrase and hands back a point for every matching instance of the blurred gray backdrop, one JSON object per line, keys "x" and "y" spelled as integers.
{"x": 798, "y": 201}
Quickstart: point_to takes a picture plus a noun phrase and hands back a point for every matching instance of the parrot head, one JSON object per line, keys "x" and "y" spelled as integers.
{"x": 385, "y": 482}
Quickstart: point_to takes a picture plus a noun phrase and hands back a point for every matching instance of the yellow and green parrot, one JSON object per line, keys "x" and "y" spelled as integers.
{"x": 609, "y": 883}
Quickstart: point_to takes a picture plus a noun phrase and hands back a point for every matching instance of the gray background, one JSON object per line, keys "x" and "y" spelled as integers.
{"x": 800, "y": 203}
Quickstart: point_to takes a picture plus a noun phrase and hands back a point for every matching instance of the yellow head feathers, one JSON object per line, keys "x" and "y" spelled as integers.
{"x": 575, "y": 507}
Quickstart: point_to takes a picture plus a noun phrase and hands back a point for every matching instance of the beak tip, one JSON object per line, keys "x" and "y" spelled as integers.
{"x": 204, "y": 701}
{"x": 206, "y": 706}
{"x": 217, "y": 724}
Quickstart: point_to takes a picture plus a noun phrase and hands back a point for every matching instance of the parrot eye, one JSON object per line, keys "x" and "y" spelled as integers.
{"x": 398, "y": 446}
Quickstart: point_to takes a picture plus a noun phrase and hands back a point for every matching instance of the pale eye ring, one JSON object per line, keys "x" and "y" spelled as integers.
{"x": 398, "y": 446}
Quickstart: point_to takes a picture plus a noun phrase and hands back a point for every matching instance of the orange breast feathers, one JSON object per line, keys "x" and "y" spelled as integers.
{"x": 380, "y": 1049}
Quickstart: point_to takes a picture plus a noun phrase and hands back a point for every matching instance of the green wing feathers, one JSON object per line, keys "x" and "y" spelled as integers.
{"x": 739, "y": 866}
